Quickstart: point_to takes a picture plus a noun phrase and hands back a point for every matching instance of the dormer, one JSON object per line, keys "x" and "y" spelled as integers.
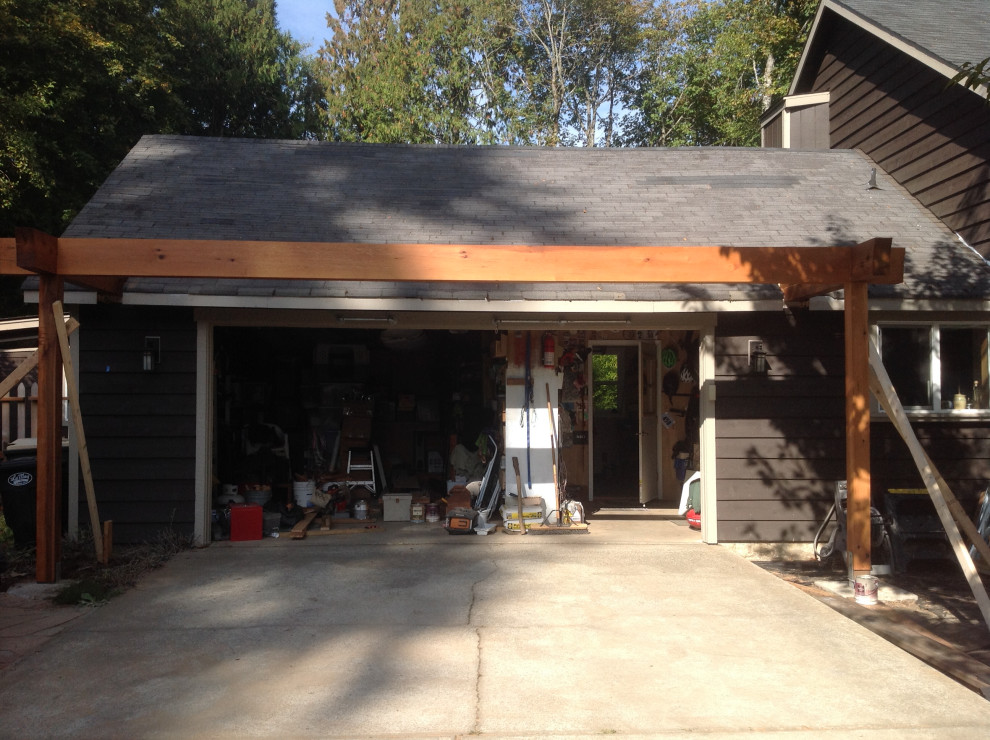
{"x": 800, "y": 122}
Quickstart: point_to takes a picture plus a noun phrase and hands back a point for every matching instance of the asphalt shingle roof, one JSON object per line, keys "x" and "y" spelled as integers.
{"x": 955, "y": 31}
{"x": 205, "y": 188}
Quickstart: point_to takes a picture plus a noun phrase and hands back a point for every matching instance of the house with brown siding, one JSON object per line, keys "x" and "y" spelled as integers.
{"x": 192, "y": 387}
{"x": 875, "y": 76}
{"x": 195, "y": 388}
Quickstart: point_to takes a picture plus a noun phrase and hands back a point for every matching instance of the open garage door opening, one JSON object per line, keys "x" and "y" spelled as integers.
{"x": 297, "y": 405}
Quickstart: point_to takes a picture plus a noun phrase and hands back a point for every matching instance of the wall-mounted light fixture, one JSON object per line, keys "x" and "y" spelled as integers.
{"x": 152, "y": 353}
{"x": 757, "y": 357}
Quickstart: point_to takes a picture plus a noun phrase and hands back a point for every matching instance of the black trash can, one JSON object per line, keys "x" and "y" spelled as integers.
{"x": 18, "y": 492}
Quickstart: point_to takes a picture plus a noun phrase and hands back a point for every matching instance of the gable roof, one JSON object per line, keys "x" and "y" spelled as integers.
{"x": 942, "y": 35}
{"x": 176, "y": 187}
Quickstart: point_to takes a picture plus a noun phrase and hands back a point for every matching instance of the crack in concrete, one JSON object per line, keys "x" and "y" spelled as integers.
{"x": 478, "y": 642}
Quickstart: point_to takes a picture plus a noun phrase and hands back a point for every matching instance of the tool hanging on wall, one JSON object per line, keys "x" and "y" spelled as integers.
{"x": 553, "y": 459}
{"x": 549, "y": 352}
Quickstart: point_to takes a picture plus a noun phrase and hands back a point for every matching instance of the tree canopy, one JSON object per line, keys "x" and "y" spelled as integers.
{"x": 81, "y": 82}
{"x": 559, "y": 72}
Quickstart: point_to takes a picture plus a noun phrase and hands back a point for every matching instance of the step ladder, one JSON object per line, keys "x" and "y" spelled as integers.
{"x": 361, "y": 469}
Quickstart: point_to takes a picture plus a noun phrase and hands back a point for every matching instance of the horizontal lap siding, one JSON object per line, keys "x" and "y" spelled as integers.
{"x": 933, "y": 139}
{"x": 140, "y": 426}
{"x": 960, "y": 451}
{"x": 780, "y": 440}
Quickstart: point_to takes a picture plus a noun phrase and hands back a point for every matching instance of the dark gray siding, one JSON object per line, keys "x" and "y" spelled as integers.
{"x": 140, "y": 426}
{"x": 780, "y": 440}
{"x": 932, "y": 138}
{"x": 960, "y": 451}
{"x": 773, "y": 132}
{"x": 809, "y": 127}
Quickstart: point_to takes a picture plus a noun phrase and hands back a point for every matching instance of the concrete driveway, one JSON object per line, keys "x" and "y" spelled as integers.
{"x": 636, "y": 629}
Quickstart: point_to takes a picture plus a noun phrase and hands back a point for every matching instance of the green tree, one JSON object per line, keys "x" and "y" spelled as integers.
{"x": 79, "y": 82}
{"x": 974, "y": 76}
{"x": 612, "y": 36}
{"x": 237, "y": 74}
{"x": 572, "y": 64}
{"x": 403, "y": 72}
{"x": 715, "y": 68}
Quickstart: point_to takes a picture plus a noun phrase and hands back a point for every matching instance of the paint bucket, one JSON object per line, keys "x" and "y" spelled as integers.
{"x": 417, "y": 513}
{"x": 433, "y": 513}
{"x": 302, "y": 492}
{"x": 866, "y": 590}
{"x": 361, "y": 509}
{"x": 260, "y": 495}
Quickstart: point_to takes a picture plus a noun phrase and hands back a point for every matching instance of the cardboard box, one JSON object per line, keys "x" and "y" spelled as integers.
{"x": 396, "y": 507}
{"x": 245, "y": 522}
{"x": 529, "y": 512}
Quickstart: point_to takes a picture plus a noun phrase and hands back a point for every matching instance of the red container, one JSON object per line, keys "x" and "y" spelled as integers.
{"x": 245, "y": 522}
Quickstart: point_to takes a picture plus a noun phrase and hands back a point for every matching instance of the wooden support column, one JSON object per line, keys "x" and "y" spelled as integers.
{"x": 857, "y": 428}
{"x": 49, "y": 433}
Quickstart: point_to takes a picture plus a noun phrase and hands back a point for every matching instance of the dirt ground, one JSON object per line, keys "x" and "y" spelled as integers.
{"x": 945, "y": 610}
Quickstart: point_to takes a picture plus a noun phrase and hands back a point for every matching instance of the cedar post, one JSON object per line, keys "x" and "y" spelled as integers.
{"x": 857, "y": 428}
{"x": 49, "y": 433}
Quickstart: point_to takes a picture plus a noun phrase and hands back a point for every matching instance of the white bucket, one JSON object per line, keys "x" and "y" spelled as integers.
{"x": 302, "y": 492}
{"x": 866, "y": 590}
{"x": 360, "y": 509}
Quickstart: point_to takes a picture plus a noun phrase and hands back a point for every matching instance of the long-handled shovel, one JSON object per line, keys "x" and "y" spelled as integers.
{"x": 519, "y": 495}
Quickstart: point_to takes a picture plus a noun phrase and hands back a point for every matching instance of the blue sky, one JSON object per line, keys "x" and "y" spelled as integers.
{"x": 305, "y": 20}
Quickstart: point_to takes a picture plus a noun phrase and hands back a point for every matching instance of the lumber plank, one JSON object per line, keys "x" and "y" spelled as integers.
{"x": 107, "y": 541}
{"x": 298, "y": 532}
{"x": 77, "y": 421}
{"x": 28, "y": 364}
{"x": 884, "y": 389}
{"x": 92, "y": 256}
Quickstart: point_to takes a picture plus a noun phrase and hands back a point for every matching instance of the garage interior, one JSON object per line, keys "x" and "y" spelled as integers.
{"x": 296, "y": 404}
{"x": 301, "y": 404}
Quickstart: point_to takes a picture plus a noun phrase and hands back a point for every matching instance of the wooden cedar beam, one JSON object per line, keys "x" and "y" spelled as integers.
{"x": 857, "y": 428}
{"x": 80, "y": 257}
{"x": 804, "y": 292}
{"x": 107, "y": 286}
{"x": 36, "y": 250}
{"x": 39, "y": 253}
{"x": 871, "y": 261}
{"x": 8, "y": 258}
{"x": 49, "y": 433}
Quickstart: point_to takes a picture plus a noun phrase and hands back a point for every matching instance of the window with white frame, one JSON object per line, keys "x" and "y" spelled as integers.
{"x": 937, "y": 367}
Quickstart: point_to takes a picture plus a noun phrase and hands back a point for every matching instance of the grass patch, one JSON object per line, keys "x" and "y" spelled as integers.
{"x": 89, "y": 592}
